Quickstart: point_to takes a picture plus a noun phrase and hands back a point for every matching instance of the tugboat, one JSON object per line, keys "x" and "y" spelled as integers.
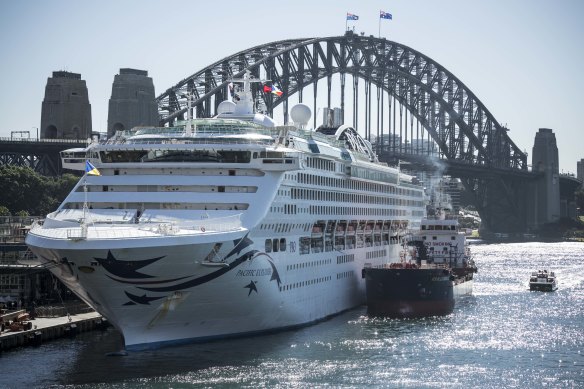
{"x": 435, "y": 269}
{"x": 543, "y": 281}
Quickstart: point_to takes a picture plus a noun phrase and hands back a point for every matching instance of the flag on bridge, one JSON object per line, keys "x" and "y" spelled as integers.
{"x": 352, "y": 17}
{"x": 385, "y": 15}
{"x": 91, "y": 170}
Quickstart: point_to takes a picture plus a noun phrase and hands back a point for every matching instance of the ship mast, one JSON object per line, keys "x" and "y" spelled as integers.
{"x": 245, "y": 104}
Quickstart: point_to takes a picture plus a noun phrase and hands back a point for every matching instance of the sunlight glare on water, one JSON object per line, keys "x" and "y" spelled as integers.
{"x": 504, "y": 336}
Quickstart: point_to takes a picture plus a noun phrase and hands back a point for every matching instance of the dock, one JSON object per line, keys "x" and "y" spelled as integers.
{"x": 44, "y": 329}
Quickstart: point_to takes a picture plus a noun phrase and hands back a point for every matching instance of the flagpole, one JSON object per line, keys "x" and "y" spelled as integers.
{"x": 379, "y": 32}
{"x": 84, "y": 219}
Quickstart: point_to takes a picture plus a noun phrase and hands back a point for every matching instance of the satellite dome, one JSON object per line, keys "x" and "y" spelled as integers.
{"x": 300, "y": 114}
{"x": 226, "y": 107}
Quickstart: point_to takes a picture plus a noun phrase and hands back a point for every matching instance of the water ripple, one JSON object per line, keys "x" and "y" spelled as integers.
{"x": 504, "y": 336}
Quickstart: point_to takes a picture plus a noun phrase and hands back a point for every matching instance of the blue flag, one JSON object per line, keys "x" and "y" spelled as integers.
{"x": 352, "y": 17}
{"x": 385, "y": 15}
{"x": 91, "y": 170}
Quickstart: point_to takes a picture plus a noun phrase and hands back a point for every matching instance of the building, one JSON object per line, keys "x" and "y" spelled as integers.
{"x": 132, "y": 102}
{"x": 66, "y": 112}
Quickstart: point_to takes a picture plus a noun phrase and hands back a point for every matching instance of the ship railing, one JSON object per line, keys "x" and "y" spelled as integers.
{"x": 205, "y": 141}
{"x": 125, "y": 230}
{"x": 218, "y": 224}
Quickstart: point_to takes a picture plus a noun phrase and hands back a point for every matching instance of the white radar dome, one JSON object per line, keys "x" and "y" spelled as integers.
{"x": 300, "y": 114}
{"x": 226, "y": 107}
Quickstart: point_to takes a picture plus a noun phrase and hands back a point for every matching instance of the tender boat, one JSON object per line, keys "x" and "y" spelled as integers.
{"x": 543, "y": 280}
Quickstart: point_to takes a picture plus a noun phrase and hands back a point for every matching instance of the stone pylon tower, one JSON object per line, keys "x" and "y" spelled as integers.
{"x": 66, "y": 112}
{"x": 133, "y": 102}
{"x": 547, "y": 189}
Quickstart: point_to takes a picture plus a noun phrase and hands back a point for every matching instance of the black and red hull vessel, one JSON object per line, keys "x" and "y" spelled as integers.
{"x": 409, "y": 292}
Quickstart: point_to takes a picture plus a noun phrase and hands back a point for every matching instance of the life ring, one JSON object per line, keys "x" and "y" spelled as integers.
{"x": 202, "y": 229}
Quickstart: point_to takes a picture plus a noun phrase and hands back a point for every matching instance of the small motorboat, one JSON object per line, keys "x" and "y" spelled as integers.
{"x": 543, "y": 280}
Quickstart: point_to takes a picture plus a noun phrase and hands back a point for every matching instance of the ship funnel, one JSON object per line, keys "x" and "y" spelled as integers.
{"x": 300, "y": 114}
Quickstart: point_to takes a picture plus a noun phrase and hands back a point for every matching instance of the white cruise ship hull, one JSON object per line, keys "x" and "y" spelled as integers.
{"x": 159, "y": 295}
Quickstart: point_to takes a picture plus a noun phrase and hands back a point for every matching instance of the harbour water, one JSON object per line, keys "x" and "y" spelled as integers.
{"x": 504, "y": 336}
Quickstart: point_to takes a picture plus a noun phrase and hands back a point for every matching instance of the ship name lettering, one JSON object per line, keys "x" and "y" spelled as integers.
{"x": 264, "y": 272}
{"x": 245, "y": 273}
{"x": 254, "y": 272}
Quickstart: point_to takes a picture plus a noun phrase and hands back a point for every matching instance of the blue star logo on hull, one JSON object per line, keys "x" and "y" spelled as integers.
{"x": 252, "y": 287}
{"x": 125, "y": 269}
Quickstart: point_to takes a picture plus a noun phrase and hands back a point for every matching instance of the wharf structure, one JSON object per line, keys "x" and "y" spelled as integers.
{"x": 43, "y": 329}
{"x": 23, "y": 283}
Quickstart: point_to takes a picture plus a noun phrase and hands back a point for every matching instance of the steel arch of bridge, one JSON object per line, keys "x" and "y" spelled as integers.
{"x": 461, "y": 126}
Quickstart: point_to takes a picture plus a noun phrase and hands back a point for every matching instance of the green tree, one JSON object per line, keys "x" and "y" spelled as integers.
{"x": 22, "y": 189}
{"x": 4, "y": 211}
{"x": 25, "y": 190}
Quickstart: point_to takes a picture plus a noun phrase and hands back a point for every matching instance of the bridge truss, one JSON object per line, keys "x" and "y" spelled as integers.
{"x": 420, "y": 108}
{"x": 41, "y": 156}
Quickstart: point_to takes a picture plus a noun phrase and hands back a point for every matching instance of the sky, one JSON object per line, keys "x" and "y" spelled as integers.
{"x": 521, "y": 58}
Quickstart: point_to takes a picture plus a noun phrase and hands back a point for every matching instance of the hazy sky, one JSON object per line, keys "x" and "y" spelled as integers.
{"x": 521, "y": 58}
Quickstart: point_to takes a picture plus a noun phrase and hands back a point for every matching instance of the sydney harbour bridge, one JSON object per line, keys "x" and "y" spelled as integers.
{"x": 409, "y": 106}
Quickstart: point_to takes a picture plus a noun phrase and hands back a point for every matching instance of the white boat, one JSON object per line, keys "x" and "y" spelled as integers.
{"x": 226, "y": 226}
{"x": 542, "y": 280}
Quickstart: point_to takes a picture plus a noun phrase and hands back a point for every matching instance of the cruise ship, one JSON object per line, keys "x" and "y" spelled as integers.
{"x": 226, "y": 226}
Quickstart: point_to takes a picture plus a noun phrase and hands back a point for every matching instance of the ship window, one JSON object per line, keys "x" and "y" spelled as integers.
{"x": 282, "y": 244}
{"x": 433, "y": 238}
{"x": 220, "y": 189}
{"x": 275, "y": 245}
{"x": 116, "y": 172}
{"x": 452, "y": 238}
{"x": 268, "y": 245}
{"x": 231, "y": 172}
{"x": 105, "y": 188}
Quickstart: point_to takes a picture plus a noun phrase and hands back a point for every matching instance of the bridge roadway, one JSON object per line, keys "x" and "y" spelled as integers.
{"x": 40, "y": 155}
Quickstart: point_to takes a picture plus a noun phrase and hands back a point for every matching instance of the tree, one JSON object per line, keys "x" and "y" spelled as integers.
{"x": 25, "y": 190}
{"x": 4, "y": 211}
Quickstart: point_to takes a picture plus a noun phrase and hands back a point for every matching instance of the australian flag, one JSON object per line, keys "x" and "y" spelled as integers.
{"x": 385, "y": 15}
{"x": 352, "y": 17}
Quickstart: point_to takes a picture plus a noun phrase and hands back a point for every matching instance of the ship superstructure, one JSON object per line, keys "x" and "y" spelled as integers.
{"x": 226, "y": 226}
